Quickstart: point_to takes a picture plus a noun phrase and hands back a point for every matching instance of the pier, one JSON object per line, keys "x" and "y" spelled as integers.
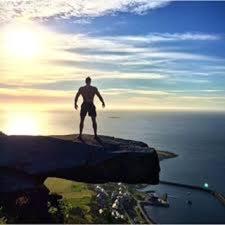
{"x": 219, "y": 196}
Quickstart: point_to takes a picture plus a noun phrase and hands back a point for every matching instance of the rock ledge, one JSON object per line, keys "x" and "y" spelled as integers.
{"x": 26, "y": 161}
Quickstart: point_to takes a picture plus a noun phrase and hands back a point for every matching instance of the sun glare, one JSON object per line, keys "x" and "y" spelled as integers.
{"x": 21, "y": 123}
{"x": 22, "y": 41}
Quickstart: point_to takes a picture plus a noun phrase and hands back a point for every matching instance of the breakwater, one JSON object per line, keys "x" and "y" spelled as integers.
{"x": 219, "y": 196}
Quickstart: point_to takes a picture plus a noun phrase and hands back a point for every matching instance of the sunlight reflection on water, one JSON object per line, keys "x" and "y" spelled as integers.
{"x": 20, "y": 122}
{"x": 39, "y": 123}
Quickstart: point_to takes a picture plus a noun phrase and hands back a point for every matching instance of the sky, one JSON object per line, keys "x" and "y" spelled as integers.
{"x": 141, "y": 54}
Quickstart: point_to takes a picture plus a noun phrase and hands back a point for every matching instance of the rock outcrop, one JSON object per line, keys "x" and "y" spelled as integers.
{"x": 26, "y": 161}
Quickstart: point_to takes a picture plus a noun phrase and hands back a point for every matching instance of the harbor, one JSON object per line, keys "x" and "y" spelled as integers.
{"x": 184, "y": 204}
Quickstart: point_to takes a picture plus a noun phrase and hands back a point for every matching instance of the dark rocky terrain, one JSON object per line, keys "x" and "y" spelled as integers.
{"x": 27, "y": 161}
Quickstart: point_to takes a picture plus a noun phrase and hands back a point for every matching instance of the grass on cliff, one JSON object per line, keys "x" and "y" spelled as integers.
{"x": 75, "y": 195}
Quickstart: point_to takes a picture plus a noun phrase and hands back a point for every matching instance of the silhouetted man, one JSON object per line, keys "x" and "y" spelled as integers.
{"x": 88, "y": 93}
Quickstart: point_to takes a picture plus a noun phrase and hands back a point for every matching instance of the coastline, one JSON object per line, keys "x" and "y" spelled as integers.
{"x": 167, "y": 155}
{"x": 163, "y": 155}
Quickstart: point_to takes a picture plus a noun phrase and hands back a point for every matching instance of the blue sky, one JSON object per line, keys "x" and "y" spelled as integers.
{"x": 141, "y": 54}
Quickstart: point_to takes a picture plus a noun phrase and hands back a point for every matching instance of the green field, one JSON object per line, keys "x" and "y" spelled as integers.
{"x": 76, "y": 196}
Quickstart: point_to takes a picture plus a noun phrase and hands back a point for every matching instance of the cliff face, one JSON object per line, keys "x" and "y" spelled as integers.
{"x": 26, "y": 161}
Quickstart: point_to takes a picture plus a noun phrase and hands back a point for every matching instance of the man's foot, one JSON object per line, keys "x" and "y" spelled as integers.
{"x": 97, "y": 138}
{"x": 79, "y": 137}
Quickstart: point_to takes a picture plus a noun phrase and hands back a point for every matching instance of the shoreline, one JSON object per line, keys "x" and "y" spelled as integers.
{"x": 216, "y": 195}
{"x": 220, "y": 197}
{"x": 163, "y": 155}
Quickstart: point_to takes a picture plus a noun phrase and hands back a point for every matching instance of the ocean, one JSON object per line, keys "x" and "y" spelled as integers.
{"x": 198, "y": 138}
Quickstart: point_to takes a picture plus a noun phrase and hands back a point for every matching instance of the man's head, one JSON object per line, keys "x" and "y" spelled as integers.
{"x": 88, "y": 80}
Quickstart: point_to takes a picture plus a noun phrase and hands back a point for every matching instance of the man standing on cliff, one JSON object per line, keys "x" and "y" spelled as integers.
{"x": 88, "y": 93}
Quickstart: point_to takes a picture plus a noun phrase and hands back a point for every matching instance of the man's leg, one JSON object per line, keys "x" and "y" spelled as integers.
{"x": 94, "y": 123}
{"x": 81, "y": 125}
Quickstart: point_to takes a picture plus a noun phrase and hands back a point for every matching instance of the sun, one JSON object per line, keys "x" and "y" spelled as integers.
{"x": 22, "y": 42}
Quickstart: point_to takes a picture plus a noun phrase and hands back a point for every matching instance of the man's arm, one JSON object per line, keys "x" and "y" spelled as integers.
{"x": 100, "y": 98}
{"x": 76, "y": 99}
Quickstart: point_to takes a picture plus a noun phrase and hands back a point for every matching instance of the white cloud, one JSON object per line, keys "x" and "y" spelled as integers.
{"x": 206, "y": 91}
{"x": 206, "y": 98}
{"x": 127, "y": 43}
{"x": 72, "y": 56}
{"x": 167, "y": 37}
{"x": 119, "y": 91}
{"x": 44, "y": 9}
{"x": 120, "y": 50}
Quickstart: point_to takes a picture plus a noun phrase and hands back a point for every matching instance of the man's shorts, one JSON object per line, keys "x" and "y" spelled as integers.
{"x": 88, "y": 107}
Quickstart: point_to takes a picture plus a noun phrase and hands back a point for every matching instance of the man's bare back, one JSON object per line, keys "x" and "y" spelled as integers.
{"x": 88, "y": 93}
